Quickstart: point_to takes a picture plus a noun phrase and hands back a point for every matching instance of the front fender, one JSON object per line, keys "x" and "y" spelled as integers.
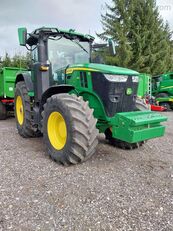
{"x": 26, "y": 77}
{"x": 95, "y": 103}
{"x": 55, "y": 90}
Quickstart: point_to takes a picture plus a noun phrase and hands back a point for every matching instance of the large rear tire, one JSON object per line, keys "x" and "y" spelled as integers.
{"x": 69, "y": 129}
{"x": 23, "y": 112}
{"x": 3, "y": 111}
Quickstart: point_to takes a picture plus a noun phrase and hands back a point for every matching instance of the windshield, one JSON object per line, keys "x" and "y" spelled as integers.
{"x": 63, "y": 52}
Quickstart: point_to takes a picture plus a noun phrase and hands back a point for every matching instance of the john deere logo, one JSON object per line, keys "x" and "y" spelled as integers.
{"x": 129, "y": 91}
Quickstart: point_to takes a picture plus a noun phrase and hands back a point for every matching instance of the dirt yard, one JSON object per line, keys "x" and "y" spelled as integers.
{"x": 115, "y": 190}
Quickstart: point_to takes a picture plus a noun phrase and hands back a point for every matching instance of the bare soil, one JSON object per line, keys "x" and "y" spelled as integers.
{"x": 114, "y": 190}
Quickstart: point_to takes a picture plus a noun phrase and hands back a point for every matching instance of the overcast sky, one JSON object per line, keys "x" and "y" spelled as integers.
{"x": 82, "y": 15}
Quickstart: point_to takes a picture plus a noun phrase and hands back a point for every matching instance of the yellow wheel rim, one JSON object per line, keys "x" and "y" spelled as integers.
{"x": 57, "y": 130}
{"x": 19, "y": 110}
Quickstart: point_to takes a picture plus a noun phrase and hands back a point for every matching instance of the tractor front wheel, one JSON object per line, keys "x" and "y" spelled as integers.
{"x": 3, "y": 111}
{"x": 69, "y": 129}
{"x": 119, "y": 143}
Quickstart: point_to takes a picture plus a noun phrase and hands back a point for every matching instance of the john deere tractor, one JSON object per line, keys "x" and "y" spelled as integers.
{"x": 69, "y": 99}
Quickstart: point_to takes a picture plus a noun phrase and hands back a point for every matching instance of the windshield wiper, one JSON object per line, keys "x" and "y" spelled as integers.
{"x": 79, "y": 45}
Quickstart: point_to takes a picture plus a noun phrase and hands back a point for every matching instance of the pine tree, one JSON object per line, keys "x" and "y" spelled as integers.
{"x": 143, "y": 41}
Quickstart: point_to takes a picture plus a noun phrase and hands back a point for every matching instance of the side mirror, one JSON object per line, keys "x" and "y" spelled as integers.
{"x": 22, "y": 34}
{"x": 111, "y": 47}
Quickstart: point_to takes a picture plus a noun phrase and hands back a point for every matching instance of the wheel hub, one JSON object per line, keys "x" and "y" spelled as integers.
{"x": 57, "y": 130}
{"x": 19, "y": 110}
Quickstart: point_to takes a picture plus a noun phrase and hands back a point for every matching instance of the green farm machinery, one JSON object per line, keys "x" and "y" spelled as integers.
{"x": 7, "y": 82}
{"x": 146, "y": 99}
{"x": 162, "y": 89}
{"x": 144, "y": 86}
{"x": 69, "y": 99}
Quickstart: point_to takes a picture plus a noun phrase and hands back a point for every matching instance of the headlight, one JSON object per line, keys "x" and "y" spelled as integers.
{"x": 135, "y": 79}
{"x": 116, "y": 78}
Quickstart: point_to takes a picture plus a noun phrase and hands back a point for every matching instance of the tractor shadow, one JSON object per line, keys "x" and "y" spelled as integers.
{"x": 107, "y": 153}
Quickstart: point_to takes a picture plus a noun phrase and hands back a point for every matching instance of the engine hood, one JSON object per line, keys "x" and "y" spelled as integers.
{"x": 105, "y": 69}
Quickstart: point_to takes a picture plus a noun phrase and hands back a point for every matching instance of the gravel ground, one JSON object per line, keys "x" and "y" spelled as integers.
{"x": 115, "y": 190}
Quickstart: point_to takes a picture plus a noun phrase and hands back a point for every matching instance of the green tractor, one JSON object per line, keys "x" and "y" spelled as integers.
{"x": 69, "y": 99}
{"x": 7, "y": 82}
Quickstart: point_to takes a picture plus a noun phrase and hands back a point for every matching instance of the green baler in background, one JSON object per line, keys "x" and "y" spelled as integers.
{"x": 7, "y": 81}
{"x": 145, "y": 94}
{"x": 162, "y": 89}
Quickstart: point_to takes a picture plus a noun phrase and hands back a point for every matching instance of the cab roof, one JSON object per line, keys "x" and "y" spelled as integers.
{"x": 53, "y": 32}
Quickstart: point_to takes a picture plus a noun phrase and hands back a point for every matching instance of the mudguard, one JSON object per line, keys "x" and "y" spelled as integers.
{"x": 26, "y": 77}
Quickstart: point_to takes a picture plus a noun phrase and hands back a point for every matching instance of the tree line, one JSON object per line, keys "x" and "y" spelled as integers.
{"x": 20, "y": 61}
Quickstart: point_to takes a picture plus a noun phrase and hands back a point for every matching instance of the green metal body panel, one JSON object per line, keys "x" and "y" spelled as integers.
{"x": 7, "y": 80}
{"x": 163, "y": 84}
{"x": 144, "y": 86}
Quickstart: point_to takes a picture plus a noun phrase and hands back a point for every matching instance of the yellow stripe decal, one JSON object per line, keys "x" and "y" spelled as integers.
{"x": 167, "y": 87}
{"x": 70, "y": 70}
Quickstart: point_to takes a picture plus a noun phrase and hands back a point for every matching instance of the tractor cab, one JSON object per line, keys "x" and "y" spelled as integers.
{"x": 60, "y": 48}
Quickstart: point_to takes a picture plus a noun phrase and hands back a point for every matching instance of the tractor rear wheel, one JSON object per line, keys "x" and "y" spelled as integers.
{"x": 23, "y": 112}
{"x": 69, "y": 129}
{"x": 3, "y": 111}
{"x": 166, "y": 105}
{"x": 119, "y": 143}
